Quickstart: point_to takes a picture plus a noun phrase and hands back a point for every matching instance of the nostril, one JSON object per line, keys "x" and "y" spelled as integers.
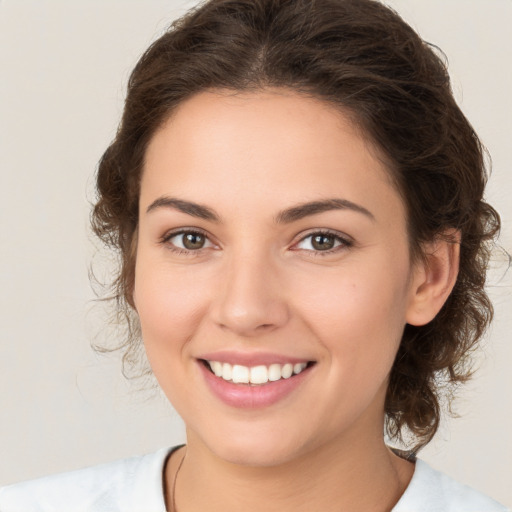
{"x": 264, "y": 327}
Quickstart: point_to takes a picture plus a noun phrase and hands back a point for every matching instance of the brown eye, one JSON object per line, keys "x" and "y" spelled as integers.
{"x": 188, "y": 241}
{"x": 193, "y": 241}
{"x": 323, "y": 242}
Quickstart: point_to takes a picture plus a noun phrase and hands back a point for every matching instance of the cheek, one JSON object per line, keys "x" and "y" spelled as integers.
{"x": 170, "y": 306}
{"x": 358, "y": 314}
{"x": 169, "y": 303}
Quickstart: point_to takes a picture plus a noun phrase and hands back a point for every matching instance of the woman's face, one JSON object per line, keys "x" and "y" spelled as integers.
{"x": 271, "y": 241}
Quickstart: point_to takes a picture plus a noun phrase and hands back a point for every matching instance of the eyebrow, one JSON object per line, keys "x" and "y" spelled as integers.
{"x": 304, "y": 210}
{"x": 284, "y": 217}
{"x": 188, "y": 207}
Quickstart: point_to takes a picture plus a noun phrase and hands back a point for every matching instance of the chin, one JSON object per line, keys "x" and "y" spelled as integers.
{"x": 254, "y": 447}
{"x": 255, "y": 454}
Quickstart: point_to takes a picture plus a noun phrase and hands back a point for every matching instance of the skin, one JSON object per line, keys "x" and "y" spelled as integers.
{"x": 258, "y": 285}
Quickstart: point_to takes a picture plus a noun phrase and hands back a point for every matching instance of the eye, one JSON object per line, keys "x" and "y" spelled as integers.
{"x": 187, "y": 240}
{"x": 322, "y": 242}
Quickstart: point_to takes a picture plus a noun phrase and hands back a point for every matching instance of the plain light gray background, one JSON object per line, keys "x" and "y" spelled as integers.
{"x": 64, "y": 66}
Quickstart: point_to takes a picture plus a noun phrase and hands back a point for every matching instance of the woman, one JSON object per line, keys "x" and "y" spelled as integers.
{"x": 297, "y": 201}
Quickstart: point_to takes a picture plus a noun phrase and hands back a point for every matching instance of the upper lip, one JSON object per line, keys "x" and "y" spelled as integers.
{"x": 251, "y": 358}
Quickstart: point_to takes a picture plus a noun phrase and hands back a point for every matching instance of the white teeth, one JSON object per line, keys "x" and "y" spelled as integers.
{"x": 274, "y": 372}
{"x": 287, "y": 371}
{"x": 299, "y": 367}
{"x": 227, "y": 371}
{"x": 261, "y": 374}
{"x": 217, "y": 368}
{"x": 240, "y": 374}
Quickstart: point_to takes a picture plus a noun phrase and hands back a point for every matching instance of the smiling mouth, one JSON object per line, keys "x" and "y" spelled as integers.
{"x": 255, "y": 375}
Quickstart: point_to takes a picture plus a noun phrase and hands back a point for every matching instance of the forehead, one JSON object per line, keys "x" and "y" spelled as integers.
{"x": 271, "y": 119}
{"x": 275, "y": 144}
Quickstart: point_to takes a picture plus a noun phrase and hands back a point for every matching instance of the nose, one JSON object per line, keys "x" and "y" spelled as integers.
{"x": 251, "y": 299}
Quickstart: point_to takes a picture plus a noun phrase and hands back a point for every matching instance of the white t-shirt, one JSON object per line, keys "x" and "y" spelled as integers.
{"x": 136, "y": 485}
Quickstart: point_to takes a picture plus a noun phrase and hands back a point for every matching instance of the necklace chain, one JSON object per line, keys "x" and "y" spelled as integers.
{"x": 411, "y": 457}
{"x": 173, "y": 495}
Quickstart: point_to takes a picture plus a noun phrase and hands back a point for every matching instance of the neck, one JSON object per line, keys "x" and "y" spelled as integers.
{"x": 347, "y": 475}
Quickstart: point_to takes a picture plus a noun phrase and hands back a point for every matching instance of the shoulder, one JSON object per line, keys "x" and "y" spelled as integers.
{"x": 125, "y": 485}
{"x": 433, "y": 491}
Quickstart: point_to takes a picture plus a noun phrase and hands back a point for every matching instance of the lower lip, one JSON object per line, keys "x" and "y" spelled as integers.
{"x": 246, "y": 396}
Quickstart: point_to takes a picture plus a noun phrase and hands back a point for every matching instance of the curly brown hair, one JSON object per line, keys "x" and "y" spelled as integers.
{"x": 362, "y": 58}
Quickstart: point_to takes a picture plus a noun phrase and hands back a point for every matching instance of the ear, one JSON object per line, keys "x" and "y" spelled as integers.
{"x": 434, "y": 277}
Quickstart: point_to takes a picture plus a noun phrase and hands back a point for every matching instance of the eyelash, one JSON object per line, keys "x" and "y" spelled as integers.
{"x": 344, "y": 242}
{"x": 165, "y": 240}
